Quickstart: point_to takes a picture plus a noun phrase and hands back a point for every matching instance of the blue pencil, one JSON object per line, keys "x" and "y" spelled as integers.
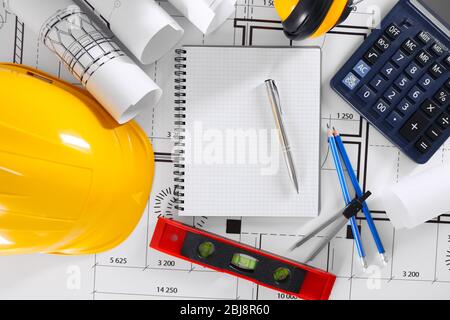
{"x": 358, "y": 190}
{"x": 347, "y": 198}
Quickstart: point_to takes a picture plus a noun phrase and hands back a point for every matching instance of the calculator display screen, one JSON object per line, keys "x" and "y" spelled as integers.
{"x": 440, "y": 8}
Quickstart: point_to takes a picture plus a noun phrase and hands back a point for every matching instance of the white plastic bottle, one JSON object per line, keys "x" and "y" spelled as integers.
{"x": 418, "y": 198}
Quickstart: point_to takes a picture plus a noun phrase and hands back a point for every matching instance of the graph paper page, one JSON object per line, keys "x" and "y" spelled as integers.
{"x": 234, "y": 164}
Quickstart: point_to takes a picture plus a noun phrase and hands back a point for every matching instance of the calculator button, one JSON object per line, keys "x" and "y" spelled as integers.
{"x": 402, "y": 82}
{"x": 413, "y": 70}
{"x": 412, "y": 128}
{"x": 393, "y": 31}
{"x": 351, "y": 81}
{"x": 441, "y": 96}
{"x": 424, "y": 37}
{"x": 362, "y": 68}
{"x": 399, "y": 58}
{"x": 388, "y": 70}
{"x": 405, "y": 107}
{"x": 394, "y": 119}
{"x": 383, "y": 43}
{"x": 426, "y": 81}
{"x": 444, "y": 121}
{"x": 415, "y": 94}
{"x": 381, "y": 107}
{"x": 447, "y": 61}
{"x": 366, "y": 94}
{"x": 391, "y": 95}
{"x": 434, "y": 133}
{"x": 430, "y": 108}
{"x": 423, "y": 145}
{"x": 378, "y": 83}
{"x": 410, "y": 46}
{"x": 447, "y": 84}
{"x": 437, "y": 49}
{"x": 423, "y": 58}
{"x": 372, "y": 56}
{"x": 437, "y": 70}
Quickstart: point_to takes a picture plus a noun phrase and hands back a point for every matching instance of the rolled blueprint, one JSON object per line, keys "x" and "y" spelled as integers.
{"x": 91, "y": 55}
{"x": 142, "y": 26}
{"x": 207, "y": 15}
{"x": 418, "y": 198}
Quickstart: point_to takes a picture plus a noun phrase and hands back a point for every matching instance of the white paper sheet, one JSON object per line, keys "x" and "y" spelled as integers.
{"x": 419, "y": 197}
{"x": 91, "y": 55}
{"x": 207, "y": 15}
{"x": 142, "y": 26}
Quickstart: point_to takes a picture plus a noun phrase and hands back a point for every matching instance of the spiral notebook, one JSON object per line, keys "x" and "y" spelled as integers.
{"x": 229, "y": 160}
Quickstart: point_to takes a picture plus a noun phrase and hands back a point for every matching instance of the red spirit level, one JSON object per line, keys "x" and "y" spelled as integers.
{"x": 224, "y": 255}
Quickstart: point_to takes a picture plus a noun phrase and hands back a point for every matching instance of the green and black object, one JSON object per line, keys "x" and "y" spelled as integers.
{"x": 244, "y": 262}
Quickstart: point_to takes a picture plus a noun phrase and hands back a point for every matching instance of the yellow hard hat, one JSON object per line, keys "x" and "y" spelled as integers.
{"x": 72, "y": 181}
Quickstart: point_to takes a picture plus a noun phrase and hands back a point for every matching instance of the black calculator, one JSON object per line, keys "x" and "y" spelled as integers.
{"x": 399, "y": 78}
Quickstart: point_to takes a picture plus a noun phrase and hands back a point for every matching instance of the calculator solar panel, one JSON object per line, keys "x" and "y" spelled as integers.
{"x": 399, "y": 78}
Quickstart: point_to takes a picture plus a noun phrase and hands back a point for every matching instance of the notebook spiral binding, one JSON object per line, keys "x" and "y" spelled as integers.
{"x": 180, "y": 122}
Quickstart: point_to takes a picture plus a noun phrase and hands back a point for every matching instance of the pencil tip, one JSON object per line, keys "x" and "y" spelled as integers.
{"x": 364, "y": 263}
{"x": 384, "y": 259}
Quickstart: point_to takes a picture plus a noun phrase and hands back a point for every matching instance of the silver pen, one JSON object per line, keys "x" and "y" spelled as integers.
{"x": 275, "y": 102}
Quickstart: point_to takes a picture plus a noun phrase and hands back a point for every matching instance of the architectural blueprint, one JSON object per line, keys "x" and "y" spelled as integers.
{"x": 419, "y": 259}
